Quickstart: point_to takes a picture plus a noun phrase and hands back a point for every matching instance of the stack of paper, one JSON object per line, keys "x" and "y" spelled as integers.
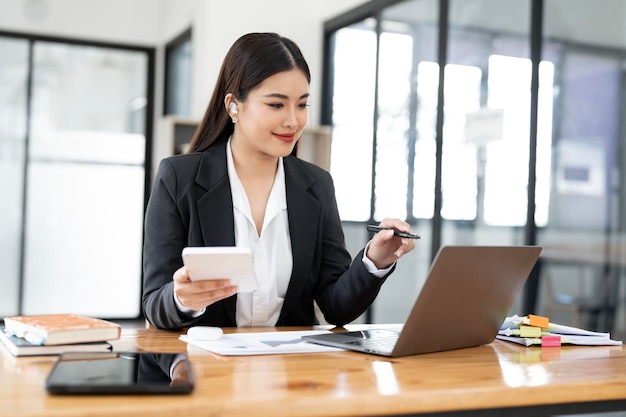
{"x": 537, "y": 330}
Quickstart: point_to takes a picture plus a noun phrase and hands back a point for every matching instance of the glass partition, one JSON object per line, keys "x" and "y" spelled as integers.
{"x": 530, "y": 106}
{"x": 13, "y": 116}
{"x": 583, "y": 238}
{"x": 85, "y": 185}
{"x": 73, "y": 144}
{"x": 486, "y": 135}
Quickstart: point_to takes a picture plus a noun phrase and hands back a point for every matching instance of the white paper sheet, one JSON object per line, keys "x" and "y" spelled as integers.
{"x": 264, "y": 343}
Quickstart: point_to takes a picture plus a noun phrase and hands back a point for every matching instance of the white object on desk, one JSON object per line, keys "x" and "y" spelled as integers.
{"x": 204, "y": 333}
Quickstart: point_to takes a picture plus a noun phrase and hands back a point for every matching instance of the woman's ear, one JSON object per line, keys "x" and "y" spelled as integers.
{"x": 231, "y": 106}
{"x": 230, "y": 103}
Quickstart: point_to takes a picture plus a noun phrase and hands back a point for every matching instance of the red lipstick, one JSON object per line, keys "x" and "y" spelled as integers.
{"x": 286, "y": 137}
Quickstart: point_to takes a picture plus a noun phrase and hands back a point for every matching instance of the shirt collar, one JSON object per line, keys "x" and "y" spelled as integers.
{"x": 277, "y": 200}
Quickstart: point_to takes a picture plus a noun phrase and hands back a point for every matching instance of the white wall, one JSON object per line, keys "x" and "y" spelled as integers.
{"x": 134, "y": 22}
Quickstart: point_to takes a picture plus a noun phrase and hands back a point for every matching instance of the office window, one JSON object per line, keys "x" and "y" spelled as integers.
{"x": 394, "y": 90}
{"x": 484, "y": 179}
{"x": 83, "y": 148}
{"x": 462, "y": 93}
{"x": 353, "y": 109}
{"x": 518, "y": 142}
{"x": 506, "y": 169}
{"x": 178, "y": 74}
{"x": 427, "y": 165}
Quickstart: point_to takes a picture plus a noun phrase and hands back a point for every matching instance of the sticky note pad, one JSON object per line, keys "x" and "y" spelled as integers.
{"x": 551, "y": 341}
{"x": 538, "y": 321}
{"x": 529, "y": 331}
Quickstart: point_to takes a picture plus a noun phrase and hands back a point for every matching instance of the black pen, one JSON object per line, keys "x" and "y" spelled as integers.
{"x": 372, "y": 228}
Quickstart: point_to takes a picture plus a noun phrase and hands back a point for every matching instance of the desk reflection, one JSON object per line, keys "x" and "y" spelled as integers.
{"x": 535, "y": 366}
{"x": 163, "y": 369}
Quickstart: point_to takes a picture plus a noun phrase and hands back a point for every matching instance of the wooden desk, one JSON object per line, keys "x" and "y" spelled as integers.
{"x": 500, "y": 379}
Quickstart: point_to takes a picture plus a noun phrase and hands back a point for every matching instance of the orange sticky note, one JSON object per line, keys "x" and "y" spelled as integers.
{"x": 538, "y": 321}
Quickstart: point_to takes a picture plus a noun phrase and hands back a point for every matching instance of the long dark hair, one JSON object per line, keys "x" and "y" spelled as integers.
{"x": 252, "y": 58}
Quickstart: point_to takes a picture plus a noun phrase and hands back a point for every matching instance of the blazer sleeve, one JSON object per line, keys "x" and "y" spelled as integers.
{"x": 345, "y": 288}
{"x": 165, "y": 233}
{"x": 344, "y": 297}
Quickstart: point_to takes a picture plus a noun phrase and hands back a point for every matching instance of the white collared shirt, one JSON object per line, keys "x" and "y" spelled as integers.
{"x": 273, "y": 261}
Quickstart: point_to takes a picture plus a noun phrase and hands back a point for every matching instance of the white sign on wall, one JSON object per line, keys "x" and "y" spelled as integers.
{"x": 484, "y": 126}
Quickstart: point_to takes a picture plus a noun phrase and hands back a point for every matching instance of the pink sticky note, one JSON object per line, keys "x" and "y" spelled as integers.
{"x": 550, "y": 341}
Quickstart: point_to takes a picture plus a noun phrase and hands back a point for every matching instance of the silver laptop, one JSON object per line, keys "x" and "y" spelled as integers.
{"x": 467, "y": 295}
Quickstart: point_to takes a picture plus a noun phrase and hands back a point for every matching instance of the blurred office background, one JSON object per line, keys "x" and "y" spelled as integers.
{"x": 486, "y": 122}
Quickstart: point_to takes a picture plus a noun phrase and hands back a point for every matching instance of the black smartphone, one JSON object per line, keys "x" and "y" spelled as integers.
{"x": 120, "y": 373}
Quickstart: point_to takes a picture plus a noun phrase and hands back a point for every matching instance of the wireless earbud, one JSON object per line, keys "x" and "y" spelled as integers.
{"x": 233, "y": 108}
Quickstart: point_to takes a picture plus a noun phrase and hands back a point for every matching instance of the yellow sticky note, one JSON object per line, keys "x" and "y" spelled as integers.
{"x": 529, "y": 331}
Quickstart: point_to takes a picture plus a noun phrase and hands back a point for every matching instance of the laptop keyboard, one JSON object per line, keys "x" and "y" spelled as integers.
{"x": 378, "y": 344}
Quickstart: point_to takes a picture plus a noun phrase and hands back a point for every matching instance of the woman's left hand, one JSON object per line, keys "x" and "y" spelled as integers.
{"x": 385, "y": 248}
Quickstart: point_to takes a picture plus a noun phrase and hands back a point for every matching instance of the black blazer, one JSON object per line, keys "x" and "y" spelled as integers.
{"x": 191, "y": 205}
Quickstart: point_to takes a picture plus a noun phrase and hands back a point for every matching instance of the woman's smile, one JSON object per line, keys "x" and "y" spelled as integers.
{"x": 286, "y": 137}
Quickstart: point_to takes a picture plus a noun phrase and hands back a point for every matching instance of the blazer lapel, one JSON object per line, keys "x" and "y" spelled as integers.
{"x": 304, "y": 215}
{"x": 215, "y": 207}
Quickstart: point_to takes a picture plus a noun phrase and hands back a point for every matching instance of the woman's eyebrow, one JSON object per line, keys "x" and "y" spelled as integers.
{"x": 284, "y": 97}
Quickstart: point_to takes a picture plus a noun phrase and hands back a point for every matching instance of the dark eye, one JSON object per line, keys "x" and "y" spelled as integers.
{"x": 276, "y": 105}
{"x": 303, "y": 105}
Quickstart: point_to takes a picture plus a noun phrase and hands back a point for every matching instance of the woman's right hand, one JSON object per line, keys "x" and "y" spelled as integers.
{"x": 197, "y": 295}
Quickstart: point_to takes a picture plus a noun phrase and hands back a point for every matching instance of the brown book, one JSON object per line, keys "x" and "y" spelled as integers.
{"x": 18, "y": 346}
{"x": 58, "y": 329}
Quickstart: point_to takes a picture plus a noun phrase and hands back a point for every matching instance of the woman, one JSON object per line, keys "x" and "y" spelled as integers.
{"x": 240, "y": 185}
